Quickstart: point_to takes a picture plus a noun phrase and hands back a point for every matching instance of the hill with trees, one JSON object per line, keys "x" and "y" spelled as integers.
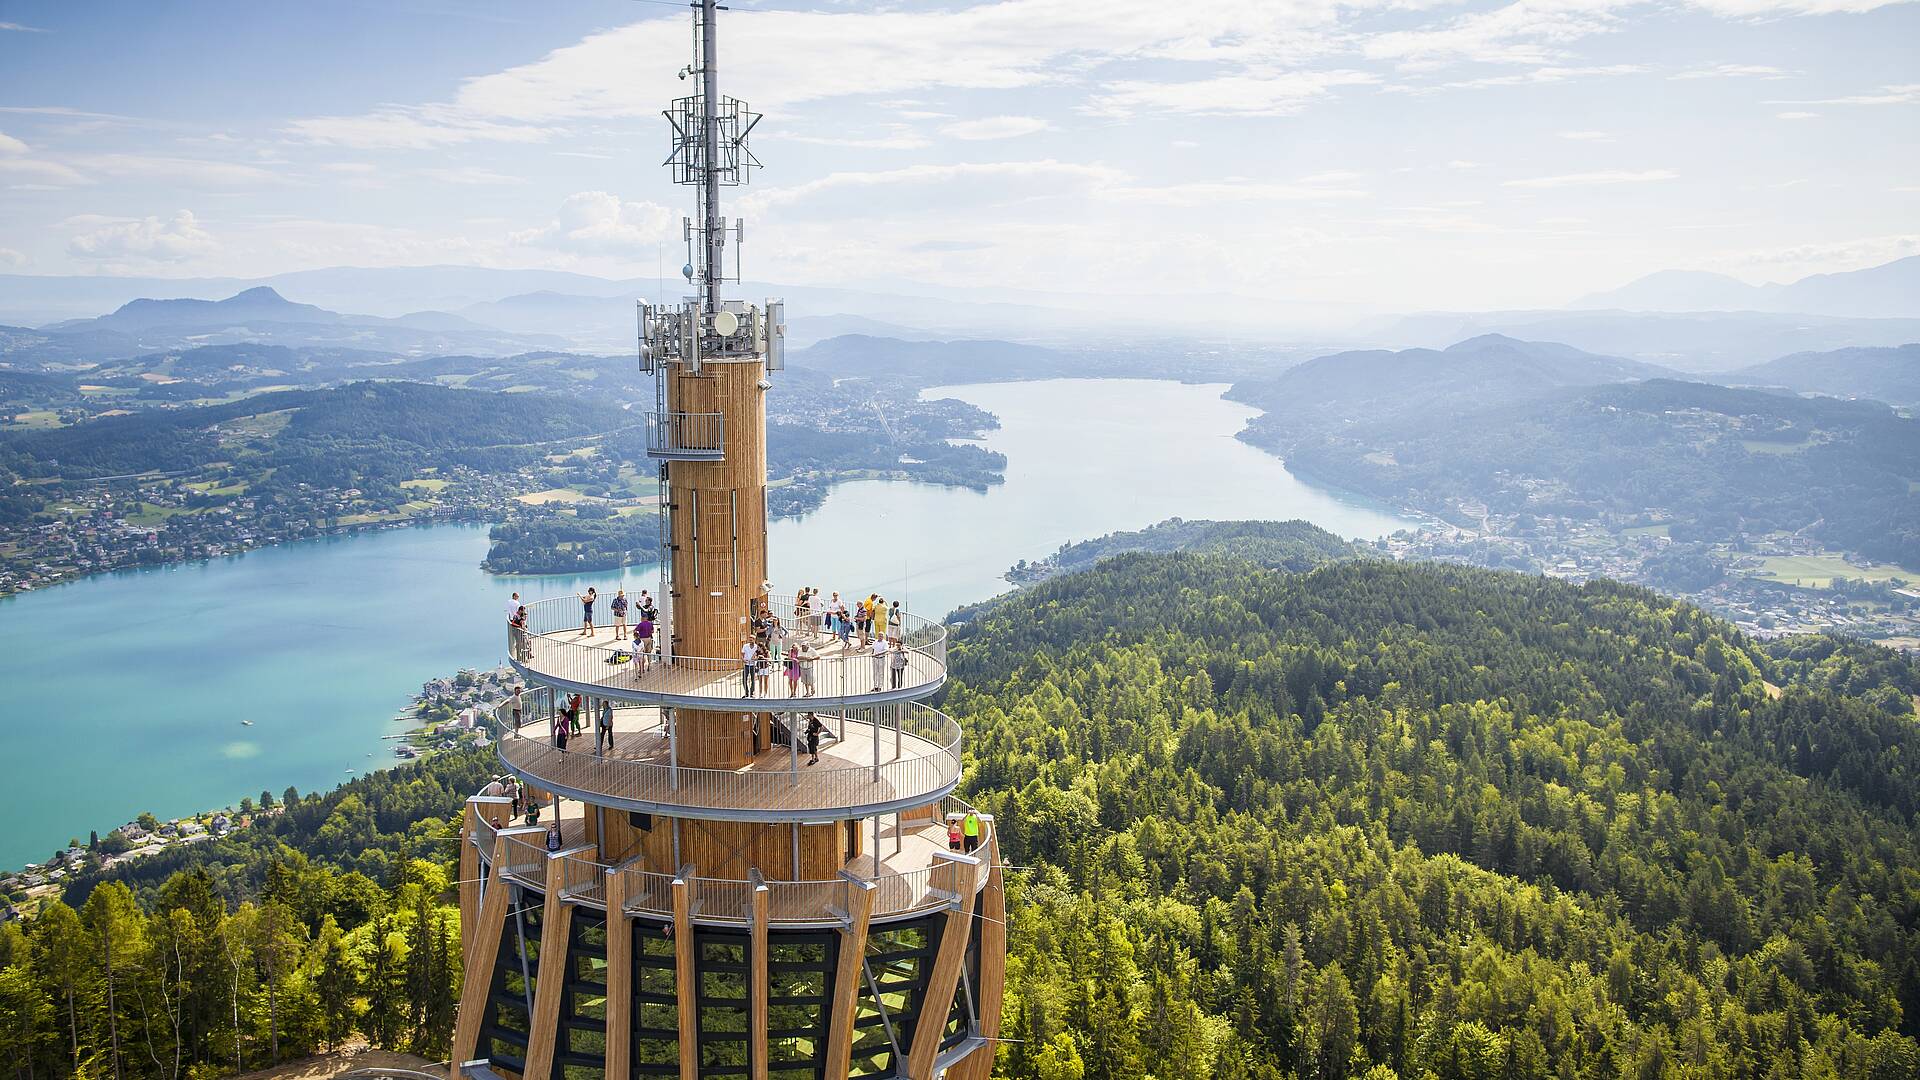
{"x": 1891, "y": 375}
{"x": 1413, "y": 820}
{"x": 1377, "y": 820}
{"x": 1286, "y": 545}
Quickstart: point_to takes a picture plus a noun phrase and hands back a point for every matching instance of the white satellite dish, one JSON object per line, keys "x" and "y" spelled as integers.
{"x": 725, "y": 323}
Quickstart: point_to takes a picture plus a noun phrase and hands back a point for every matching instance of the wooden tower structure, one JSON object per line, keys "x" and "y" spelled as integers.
{"x": 687, "y": 887}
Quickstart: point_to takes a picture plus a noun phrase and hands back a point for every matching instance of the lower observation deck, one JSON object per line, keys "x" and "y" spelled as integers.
{"x": 553, "y": 650}
{"x": 873, "y": 760}
{"x": 906, "y": 862}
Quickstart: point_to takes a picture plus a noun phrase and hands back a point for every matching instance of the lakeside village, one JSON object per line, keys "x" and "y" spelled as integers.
{"x": 448, "y": 713}
{"x": 156, "y": 520}
{"x": 1769, "y": 586}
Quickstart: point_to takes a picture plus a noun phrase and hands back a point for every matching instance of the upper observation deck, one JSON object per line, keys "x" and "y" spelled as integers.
{"x": 555, "y": 650}
{"x": 873, "y": 760}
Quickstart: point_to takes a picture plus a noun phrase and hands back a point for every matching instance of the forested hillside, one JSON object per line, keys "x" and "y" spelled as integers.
{"x": 1428, "y": 820}
{"x": 1375, "y": 820}
{"x": 1721, "y": 463}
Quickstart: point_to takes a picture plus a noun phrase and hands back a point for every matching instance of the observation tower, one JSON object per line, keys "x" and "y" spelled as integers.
{"x": 715, "y": 904}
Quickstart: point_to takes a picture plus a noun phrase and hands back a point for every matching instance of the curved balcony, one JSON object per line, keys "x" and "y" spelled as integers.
{"x": 874, "y": 760}
{"x": 908, "y": 866}
{"x": 553, "y": 651}
{"x": 684, "y": 436}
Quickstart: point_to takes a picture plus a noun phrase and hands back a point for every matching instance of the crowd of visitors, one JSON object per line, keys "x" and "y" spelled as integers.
{"x": 819, "y": 628}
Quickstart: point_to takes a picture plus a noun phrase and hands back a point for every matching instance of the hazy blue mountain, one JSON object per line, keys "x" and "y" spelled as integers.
{"x": 1891, "y": 375}
{"x": 257, "y": 315}
{"x": 1891, "y": 290}
{"x": 1376, "y": 386}
{"x": 1698, "y": 342}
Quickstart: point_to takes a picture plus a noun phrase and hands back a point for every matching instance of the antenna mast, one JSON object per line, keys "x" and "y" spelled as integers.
{"x": 709, "y": 151}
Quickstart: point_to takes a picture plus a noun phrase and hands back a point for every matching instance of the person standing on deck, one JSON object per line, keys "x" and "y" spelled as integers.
{"x": 517, "y": 703}
{"x": 603, "y": 728}
{"x": 619, "y": 606}
{"x": 814, "y": 728}
{"x": 879, "y": 617}
{"x": 807, "y": 657}
{"x": 522, "y": 641}
{"x": 879, "y": 653}
{"x": 513, "y": 606}
{"x": 763, "y": 668}
{"x": 897, "y": 661}
{"x": 642, "y": 645}
{"x": 970, "y": 828}
{"x": 793, "y": 670}
{"x": 574, "y": 724}
{"x": 898, "y": 624}
{"x": 747, "y": 652}
{"x": 586, "y": 610}
{"x": 646, "y": 609}
{"x": 863, "y": 619}
{"x": 558, "y": 726}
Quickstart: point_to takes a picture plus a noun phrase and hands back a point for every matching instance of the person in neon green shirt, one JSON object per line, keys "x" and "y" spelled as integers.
{"x": 970, "y": 829}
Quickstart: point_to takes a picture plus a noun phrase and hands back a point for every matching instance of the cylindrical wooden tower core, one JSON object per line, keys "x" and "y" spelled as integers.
{"x": 719, "y": 547}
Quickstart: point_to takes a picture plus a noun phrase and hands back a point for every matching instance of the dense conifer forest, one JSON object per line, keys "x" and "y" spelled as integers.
{"x": 1419, "y": 820}
{"x": 1372, "y": 820}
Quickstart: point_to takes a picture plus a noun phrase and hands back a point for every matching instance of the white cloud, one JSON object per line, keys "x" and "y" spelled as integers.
{"x": 1591, "y": 179}
{"x": 191, "y": 170}
{"x": 1585, "y": 136}
{"x": 1526, "y": 32}
{"x": 40, "y": 171}
{"x": 21, "y": 29}
{"x": 471, "y": 176}
{"x": 10, "y": 257}
{"x": 11, "y": 145}
{"x": 1904, "y": 94}
{"x": 1733, "y": 71}
{"x": 1255, "y": 94}
{"x": 1203, "y": 193}
{"x": 995, "y": 127}
{"x": 1549, "y": 74}
{"x": 171, "y": 240}
{"x": 600, "y": 222}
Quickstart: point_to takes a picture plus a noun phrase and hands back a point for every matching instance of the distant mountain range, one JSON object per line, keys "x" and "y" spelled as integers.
{"x": 1891, "y": 290}
{"x": 1889, "y": 375}
{"x": 1700, "y": 342}
{"x": 1371, "y": 387}
{"x": 258, "y": 315}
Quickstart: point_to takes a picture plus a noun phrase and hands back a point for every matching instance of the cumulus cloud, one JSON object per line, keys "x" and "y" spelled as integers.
{"x": 170, "y": 240}
{"x": 1593, "y": 179}
{"x": 600, "y": 222}
{"x": 11, "y": 145}
{"x": 995, "y": 127}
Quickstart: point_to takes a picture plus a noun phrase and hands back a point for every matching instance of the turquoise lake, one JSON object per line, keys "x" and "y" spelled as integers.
{"x": 128, "y": 690}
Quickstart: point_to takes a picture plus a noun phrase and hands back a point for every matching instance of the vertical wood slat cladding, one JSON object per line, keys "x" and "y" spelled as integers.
{"x": 718, "y": 574}
{"x": 469, "y": 881}
{"x": 550, "y": 982}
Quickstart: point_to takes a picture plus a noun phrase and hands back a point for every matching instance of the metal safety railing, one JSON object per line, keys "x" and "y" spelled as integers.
{"x": 872, "y": 757}
{"x": 729, "y": 901}
{"x": 684, "y": 436}
{"x": 552, "y": 646}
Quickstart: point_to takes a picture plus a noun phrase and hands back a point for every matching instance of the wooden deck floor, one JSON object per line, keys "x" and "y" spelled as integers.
{"x": 596, "y": 660}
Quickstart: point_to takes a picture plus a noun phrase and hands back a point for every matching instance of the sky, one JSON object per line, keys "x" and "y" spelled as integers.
{"x": 1381, "y": 154}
